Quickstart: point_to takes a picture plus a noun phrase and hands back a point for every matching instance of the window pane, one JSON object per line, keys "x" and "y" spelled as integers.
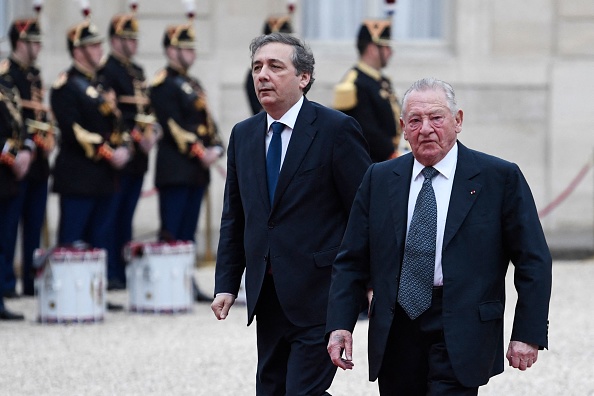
{"x": 332, "y": 19}
{"x": 419, "y": 19}
{"x": 339, "y": 20}
{"x": 4, "y": 22}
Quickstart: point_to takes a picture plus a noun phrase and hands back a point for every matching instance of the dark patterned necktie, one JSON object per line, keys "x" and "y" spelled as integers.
{"x": 273, "y": 157}
{"x": 418, "y": 264}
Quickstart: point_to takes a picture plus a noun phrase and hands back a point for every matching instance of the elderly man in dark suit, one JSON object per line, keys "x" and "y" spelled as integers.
{"x": 432, "y": 233}
{"x": 285, "y": 228}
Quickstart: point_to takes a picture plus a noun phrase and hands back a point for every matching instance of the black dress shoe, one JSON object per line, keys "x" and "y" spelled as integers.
{"x": 198, "y": 295}
{"x": 10, "y": 294}
{"x": 116, "y": 284}
{"x": 114, "y": 307}
{"x": 201, "y": 297}
{"x": 5, "y": 314}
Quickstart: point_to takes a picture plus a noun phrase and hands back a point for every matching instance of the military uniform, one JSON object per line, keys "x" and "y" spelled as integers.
{"x": 32, "y": 198}
{"x": 367, "y": 95}
{"x": 12, "y": 140}
{"x": 22, "y": 89}
{"x": 127, "y": 80}
{"x": 90, "y": 131}
{"x": 180, "y": 106}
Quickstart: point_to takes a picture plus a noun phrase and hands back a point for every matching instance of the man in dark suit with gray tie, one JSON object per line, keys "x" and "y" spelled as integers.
{"x": 284, "y": 228}
{"x": 432, "y": 233}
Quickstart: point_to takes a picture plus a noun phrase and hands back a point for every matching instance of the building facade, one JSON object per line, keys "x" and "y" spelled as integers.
{"x": 523, "y": 72}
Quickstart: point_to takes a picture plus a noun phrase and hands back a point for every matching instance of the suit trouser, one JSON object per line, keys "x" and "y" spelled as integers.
{"x": 124, "y": 206}
{"x": 416, "y": 360}
{"x": 179, "y": 209}
{"x": 8, "y": 216}
{"x": 87, "y": 219}
{"x": 32, "y": 200}
{"x": 292, "y": 360}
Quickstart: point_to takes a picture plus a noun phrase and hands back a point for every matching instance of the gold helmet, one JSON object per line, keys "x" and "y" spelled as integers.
{"x": 377, "y": 31}
{"x": 182, "y": 35}
{"x": 85, "y": 32}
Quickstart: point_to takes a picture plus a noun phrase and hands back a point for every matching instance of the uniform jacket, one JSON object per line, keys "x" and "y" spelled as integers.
{"x": 30, "y": 86}
{"x": 180, "y": 105}
{"x": 367, "y": 96}
{"x": 301, "y": 230}
{"x": 491, "y": 221}
{"x": 127, "y": 80}
{"x": 87, "y": 122}
{"x": 12, "y": 135}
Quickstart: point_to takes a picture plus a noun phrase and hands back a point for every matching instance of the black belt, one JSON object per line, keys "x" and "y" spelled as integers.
{"x": 437, "y": 291}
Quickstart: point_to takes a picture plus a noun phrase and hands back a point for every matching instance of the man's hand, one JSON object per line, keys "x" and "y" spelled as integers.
{"x": 21, "y": 164}
{"x": 221, "y": 305}
{"x": 521, "y": 355}
{"x": 341, "y": 340}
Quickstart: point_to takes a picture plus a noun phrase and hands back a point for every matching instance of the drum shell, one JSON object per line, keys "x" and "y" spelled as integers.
{"x": 159, "y": 277}
{"x": 71, "y": 286}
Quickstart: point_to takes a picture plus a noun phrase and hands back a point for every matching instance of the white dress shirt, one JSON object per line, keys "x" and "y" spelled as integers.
{"x": 442, "y": 185}
{"x": 288, "y": 119}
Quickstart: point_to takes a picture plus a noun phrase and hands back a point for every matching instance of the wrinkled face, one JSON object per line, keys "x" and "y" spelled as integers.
{"x": 276, "y": 81}
{"x": 429, "y": 126}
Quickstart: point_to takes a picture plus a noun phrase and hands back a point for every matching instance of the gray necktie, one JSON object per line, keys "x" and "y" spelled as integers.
{"x": 418, "y": 264}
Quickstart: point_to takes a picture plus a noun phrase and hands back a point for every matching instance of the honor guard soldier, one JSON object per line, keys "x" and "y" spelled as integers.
{"x": 367, "y": 95}
{"x": 281, "y": 24}
{"x": 25, "y": 76}
{"x": 126, "y": 78}
{"x": 91, "y": 146}
{"x": 15, "y": 160}
{"x": 190, "y": 142}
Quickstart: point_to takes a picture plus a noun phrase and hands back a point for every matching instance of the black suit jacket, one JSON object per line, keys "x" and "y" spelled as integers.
{"x": 301, "y": 231}
{"x": 491, "y": 220}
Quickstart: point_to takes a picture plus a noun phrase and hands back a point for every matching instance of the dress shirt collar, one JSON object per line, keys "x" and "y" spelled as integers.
{"x": 446, "y": 167}
{"x": 289, "y": 118}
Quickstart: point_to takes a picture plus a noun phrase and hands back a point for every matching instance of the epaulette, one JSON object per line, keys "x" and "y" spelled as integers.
{"x": 60, "y": 81}
{"x": 345, "y": 93}
{"x": 159, "y": 77}
{"x": 4, "y": 66}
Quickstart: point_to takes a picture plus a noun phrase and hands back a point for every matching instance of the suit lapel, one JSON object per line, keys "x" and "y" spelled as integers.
{"x": 398, "y": 192}
{"x": 465, "y": 191}
{"x": 302, "y": 137}
{"x": 257, "y": 146}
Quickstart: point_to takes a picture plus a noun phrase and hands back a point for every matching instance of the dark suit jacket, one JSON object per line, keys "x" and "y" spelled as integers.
{"x": 302, "y": 231}
{"x": 491, "y": 221}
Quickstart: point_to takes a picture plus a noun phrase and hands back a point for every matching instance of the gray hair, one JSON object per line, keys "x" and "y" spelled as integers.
{"x": 302, "y": 59}
{"x": 434, "y": 84}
